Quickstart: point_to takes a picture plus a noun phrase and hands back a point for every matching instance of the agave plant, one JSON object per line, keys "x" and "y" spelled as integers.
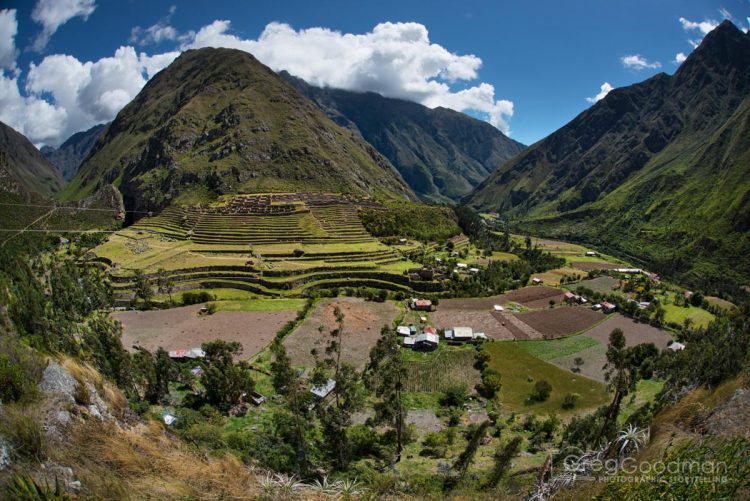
{"x": 325, "y": 486}
{"x": 349, "y": 488}
{"x": 631, "y": 438}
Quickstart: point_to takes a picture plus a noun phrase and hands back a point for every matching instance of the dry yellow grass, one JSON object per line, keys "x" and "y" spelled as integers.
{"x": 145, "y": 463}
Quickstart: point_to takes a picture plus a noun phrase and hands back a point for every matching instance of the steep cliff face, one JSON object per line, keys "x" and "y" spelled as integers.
{"x": 217, "y": 121}
{"x": 441, "y": 153}
{"x": 659, "y": 170}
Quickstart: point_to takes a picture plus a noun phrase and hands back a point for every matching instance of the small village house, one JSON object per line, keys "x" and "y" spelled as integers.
{"x": 409, "y": 342}
{"x": 608, "y": 307}
{"x": 421, "y": 304}
{"x": 459, "y": 334}
{"x": 183, "y": 354}
{"x": 536, "y": 281}
{"x": 426, "y": 341}
{"x": 403, "y": 330}
{"x": 323, "y": 390}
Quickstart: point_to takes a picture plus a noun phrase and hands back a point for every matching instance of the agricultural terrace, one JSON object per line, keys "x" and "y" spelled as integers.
{"x": 362, "y": 323}
{"x": 267, "y": 245}
{"x": 185, "y": 327}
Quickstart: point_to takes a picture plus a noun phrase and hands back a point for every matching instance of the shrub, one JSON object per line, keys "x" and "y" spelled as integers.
{"x": 210, "y": 308}
{"x": 542, "y": 390}
{"x": 454, "y": 396}
{"x": 491, "y": 383}
{"x": 20, "y": 370}
{"x": 298, "y": 253}
{"x": 189, "y": 298}
{"x": 570, "y": 400}
{"x": 434, "y": 445}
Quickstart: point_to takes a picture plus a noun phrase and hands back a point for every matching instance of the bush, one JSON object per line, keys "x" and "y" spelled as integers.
{"x": 570, "y": 400}
{"x": 491, "y": 383}
{"x": 298, "y": 253}
{"x": 542, "y": 390}
{"x": 454, "y": 396}
{"x": 434, "y": 445}
{"x": 364, "y": 441}
{"x": 20, "y": 371}
{"x": 81, "y": 394}
{"x": 189, "y": 298}
{"x": 210, "y": 308}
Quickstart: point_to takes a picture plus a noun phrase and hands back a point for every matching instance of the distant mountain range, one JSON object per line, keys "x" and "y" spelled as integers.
{"x": 217, "y": 121}
{"x": 659, "y": 170}
{"x": 441, "y": 153}
{"x": 24, "y": 172}
{"x": 68, "y": 157}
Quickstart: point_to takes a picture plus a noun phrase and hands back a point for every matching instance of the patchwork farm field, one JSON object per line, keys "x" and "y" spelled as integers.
{"x": 635, "y": 332}
{"x": 561, "y": 321}
{"x": 602, "y": 285}
{"x": 182, "y": 327}
{"x": 678, "y": 314}
{"x": 362, "y": 323}
{"x": 520, "y": 370}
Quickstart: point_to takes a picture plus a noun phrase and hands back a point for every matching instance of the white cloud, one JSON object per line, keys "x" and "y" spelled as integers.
{"x": 394, "y": 59}
{"x": 638, "y": 62}
{"x": 679, "y": 58}
{"x": 604, "y": 90}
{"x": 703, "y": 27}
{"x": 8, "y": 31}
{"x": 65, "y": 95}
{"x": 52, "y": 14}
{"x": 162, "y": 31}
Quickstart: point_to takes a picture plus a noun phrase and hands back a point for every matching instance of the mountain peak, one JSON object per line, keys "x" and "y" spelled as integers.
{"x": 219, "y": 118}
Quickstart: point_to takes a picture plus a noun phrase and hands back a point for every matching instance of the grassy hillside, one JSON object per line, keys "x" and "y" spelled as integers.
{"x": 658, "y": 171}
{"x": 219, "y": 120}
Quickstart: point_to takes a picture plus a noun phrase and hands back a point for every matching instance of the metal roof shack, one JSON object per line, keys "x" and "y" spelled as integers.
{"x": 608, "y": 307}
{"x": 191, "y": 353}
{"x": 426, "y": 341}
{"x": 409, "y": 342}
{"x": 460, "y": 334}
{"x": 403, "y": 330}
{"x": 428, "y": 329}
{"x": 422, "y": 304}
{"x": 323, "y": 390}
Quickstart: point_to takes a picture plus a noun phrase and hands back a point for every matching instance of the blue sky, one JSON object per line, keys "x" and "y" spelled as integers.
{"x": 528, "y": 67}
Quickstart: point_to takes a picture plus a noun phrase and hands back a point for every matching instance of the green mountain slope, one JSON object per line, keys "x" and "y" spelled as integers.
{"x": 441, "y": 153}
{"x": 658, "y": 171}
{"x": 24, "y": 171}
{"x": 217, "y": 121}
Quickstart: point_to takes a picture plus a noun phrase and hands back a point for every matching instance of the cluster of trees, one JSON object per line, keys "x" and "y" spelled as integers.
{"x": 426, "y": 223}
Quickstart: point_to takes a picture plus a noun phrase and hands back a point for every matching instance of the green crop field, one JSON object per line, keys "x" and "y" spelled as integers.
{"x": 261, "y": 305}
{"x": 548, "y": 349}
{"x": 520, "y": 370}
{"x": 448, "y": 368}
{"x": 678, "y": 315}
